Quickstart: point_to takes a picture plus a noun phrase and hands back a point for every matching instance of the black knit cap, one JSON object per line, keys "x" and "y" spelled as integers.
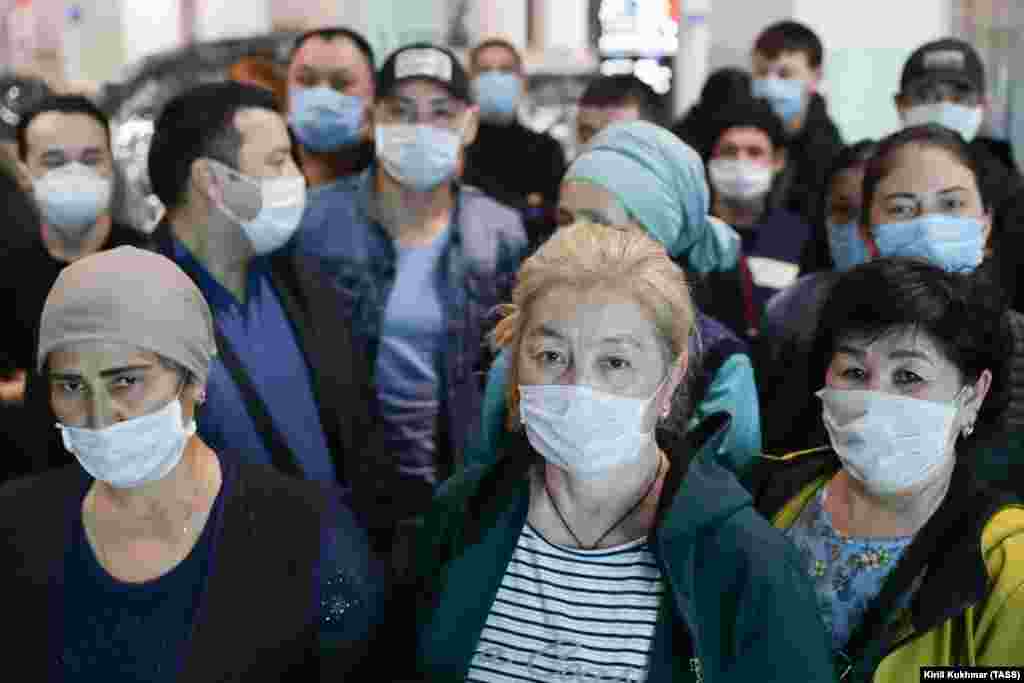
{"x": 428, "y": 61}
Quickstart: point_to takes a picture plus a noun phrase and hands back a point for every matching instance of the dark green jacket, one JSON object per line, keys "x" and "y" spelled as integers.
{"x": 738, "y": 606}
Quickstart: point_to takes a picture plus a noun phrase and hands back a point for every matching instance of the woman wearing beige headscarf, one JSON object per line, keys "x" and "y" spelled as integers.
{"x": 155, "y": 558}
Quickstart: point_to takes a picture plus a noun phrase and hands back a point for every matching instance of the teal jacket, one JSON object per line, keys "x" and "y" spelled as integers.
{"x": 732, "y": 390}
{"x": 739, "y": 608}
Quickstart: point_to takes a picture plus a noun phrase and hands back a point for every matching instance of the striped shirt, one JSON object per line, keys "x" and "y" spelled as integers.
{"x": 564, "y": 615}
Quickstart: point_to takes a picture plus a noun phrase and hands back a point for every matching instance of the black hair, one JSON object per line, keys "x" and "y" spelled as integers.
{"x": 962, "y": 313}
{"x": 790, "y": 36}
{"x": 749, "y": 113}
{"x": 495, "y": 42}
{"x": 65, "y": 104}
{"x": 333, "y": 32}
{"x": 624, "y": 89}
{"x": 931, "y": 135}
{"x": 199, "y": 123}
{"x": 725, "y": 85}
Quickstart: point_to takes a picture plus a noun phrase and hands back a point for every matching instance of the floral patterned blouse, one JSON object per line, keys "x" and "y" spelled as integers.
{"x": 847, "y": 572}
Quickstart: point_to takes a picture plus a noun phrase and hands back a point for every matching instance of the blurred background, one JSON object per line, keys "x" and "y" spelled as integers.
{"x": 132, "y": 55}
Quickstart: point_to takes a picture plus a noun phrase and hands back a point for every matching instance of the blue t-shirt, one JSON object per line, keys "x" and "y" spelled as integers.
{"x": 265, "y": 342}
{"x": 119, "y": 632}
{"x": 409, "y": 360}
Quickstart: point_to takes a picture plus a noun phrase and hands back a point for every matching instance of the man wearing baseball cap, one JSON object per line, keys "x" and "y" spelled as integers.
{"x": 422, "y": 260}
{"x": 943, "y": 82}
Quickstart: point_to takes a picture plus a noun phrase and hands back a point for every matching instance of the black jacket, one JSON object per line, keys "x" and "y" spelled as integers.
{"x": 811, "y": 153}
{"x": 267, "y": 543}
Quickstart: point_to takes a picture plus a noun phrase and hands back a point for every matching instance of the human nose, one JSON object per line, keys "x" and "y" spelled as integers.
{"x": 100, "y": 413}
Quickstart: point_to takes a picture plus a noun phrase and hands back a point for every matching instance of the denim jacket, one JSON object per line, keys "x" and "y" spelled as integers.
{"x": 485, "y": 249}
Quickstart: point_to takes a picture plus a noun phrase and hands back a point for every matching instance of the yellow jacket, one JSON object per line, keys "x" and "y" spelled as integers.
{"x": 969, "y": 607}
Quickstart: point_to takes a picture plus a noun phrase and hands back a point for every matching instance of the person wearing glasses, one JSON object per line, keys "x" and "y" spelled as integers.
{"x": 420, "y": 260}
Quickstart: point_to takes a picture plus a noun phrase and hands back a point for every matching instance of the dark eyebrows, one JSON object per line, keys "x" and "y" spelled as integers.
{"x": 898, "y": 354}
{"x": 110, "y": 372}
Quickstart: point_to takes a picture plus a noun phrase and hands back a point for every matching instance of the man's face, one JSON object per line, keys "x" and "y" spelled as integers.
{"x": 496, "y": 58}
{"x": 787, "y": 66}
{"x": 266, "y": 147}
{"x": 336, "y": 63}
{"x": 930, "y": 91}
{"x": 55, "y": 138}
{"x": 592, "y": 120}
{"x": 748, "y": 144}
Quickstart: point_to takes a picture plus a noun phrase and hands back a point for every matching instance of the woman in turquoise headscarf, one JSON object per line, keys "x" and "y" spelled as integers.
{"x": 641, "y": 174}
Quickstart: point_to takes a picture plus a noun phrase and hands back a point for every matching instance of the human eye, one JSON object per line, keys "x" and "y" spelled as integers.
{"x": 70, "y": 387}
{"x": 616, "y": 363}
{"x": 902, "y": 210}
{"x": 549, "y": 357}
{"x": 126, "y": 382}
{"x": 906, "y": 377}
{"x": 952, "y": 204}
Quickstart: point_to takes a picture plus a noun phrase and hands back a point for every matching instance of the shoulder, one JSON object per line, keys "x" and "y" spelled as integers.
{"x": 801, "y": 296}
{"x": 1002, "y": 541}
{"x": 121, "y": 235}
{"x": 32, "y": 488}
{"x": 261, "y": 485}
{"x": 476, "y": 203}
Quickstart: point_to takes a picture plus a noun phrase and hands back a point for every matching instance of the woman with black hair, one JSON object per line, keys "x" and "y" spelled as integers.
{"x": 915, "y": 563}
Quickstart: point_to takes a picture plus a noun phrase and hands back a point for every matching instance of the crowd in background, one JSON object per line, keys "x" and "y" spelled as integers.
{"x": 395, "y": 390}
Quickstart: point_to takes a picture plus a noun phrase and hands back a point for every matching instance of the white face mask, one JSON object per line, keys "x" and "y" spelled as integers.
{"x": 964, "y": 120}
{"x": 282, "y": 205}
{"x": 887, "y": 442}
{"x": 584, "y": 431}
{"x": 134, "y": 452}
{"x": 419, "y": 156}
{"x": 736, "y": 179}
{"x": 71, "y": 198}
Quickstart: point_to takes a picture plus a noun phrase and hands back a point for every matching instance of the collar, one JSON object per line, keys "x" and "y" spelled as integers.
{"x": 958, "y": 576}
{"x": 366, "y": 201}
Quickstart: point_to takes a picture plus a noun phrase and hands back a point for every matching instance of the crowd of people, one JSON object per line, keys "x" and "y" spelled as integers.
{"x": 718, "y": 400}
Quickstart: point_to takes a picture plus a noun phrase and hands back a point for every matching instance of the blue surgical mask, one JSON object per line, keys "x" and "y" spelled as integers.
{"x": 497, "y": 94}
{"x": 785, "y": 95}
{"x": 418, "y": 156}
{"x": 72, "y": 197}
{"x": 964, "y": 120}
{"x": 324, "y": 119}
{"x": 847, "y": 247}
{"x": 952, "y": 242}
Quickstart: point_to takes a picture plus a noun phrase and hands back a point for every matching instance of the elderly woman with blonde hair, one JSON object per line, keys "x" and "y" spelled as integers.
{"x": 598, "y": 546}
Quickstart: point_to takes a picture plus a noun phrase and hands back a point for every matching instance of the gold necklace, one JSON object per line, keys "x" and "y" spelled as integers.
{"x": 623, "y": 518}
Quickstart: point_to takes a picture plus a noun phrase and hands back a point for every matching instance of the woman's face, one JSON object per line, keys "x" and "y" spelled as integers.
{"x": 844, "y": 197}
{"x": 907, "y": 363}
{"x": 98, "y": 384}
{"x": 925, "y": 180}
{"x": 600, "y": 338}
{"x": 589, "y": 201}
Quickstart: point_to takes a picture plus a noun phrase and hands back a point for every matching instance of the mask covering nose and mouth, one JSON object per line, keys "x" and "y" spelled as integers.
{"x": 134, "y": 452}
{"x": 419, "y": 156}
{"x": 740, "y": 180}
{"x": 281, "y": 205}
{"x": 497, "y": 94}
{"x": 959, "y": 118}
{"x": 324, "y": 119}
{"x": 584, "y": 431}
{"x": 72, "y": 197}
